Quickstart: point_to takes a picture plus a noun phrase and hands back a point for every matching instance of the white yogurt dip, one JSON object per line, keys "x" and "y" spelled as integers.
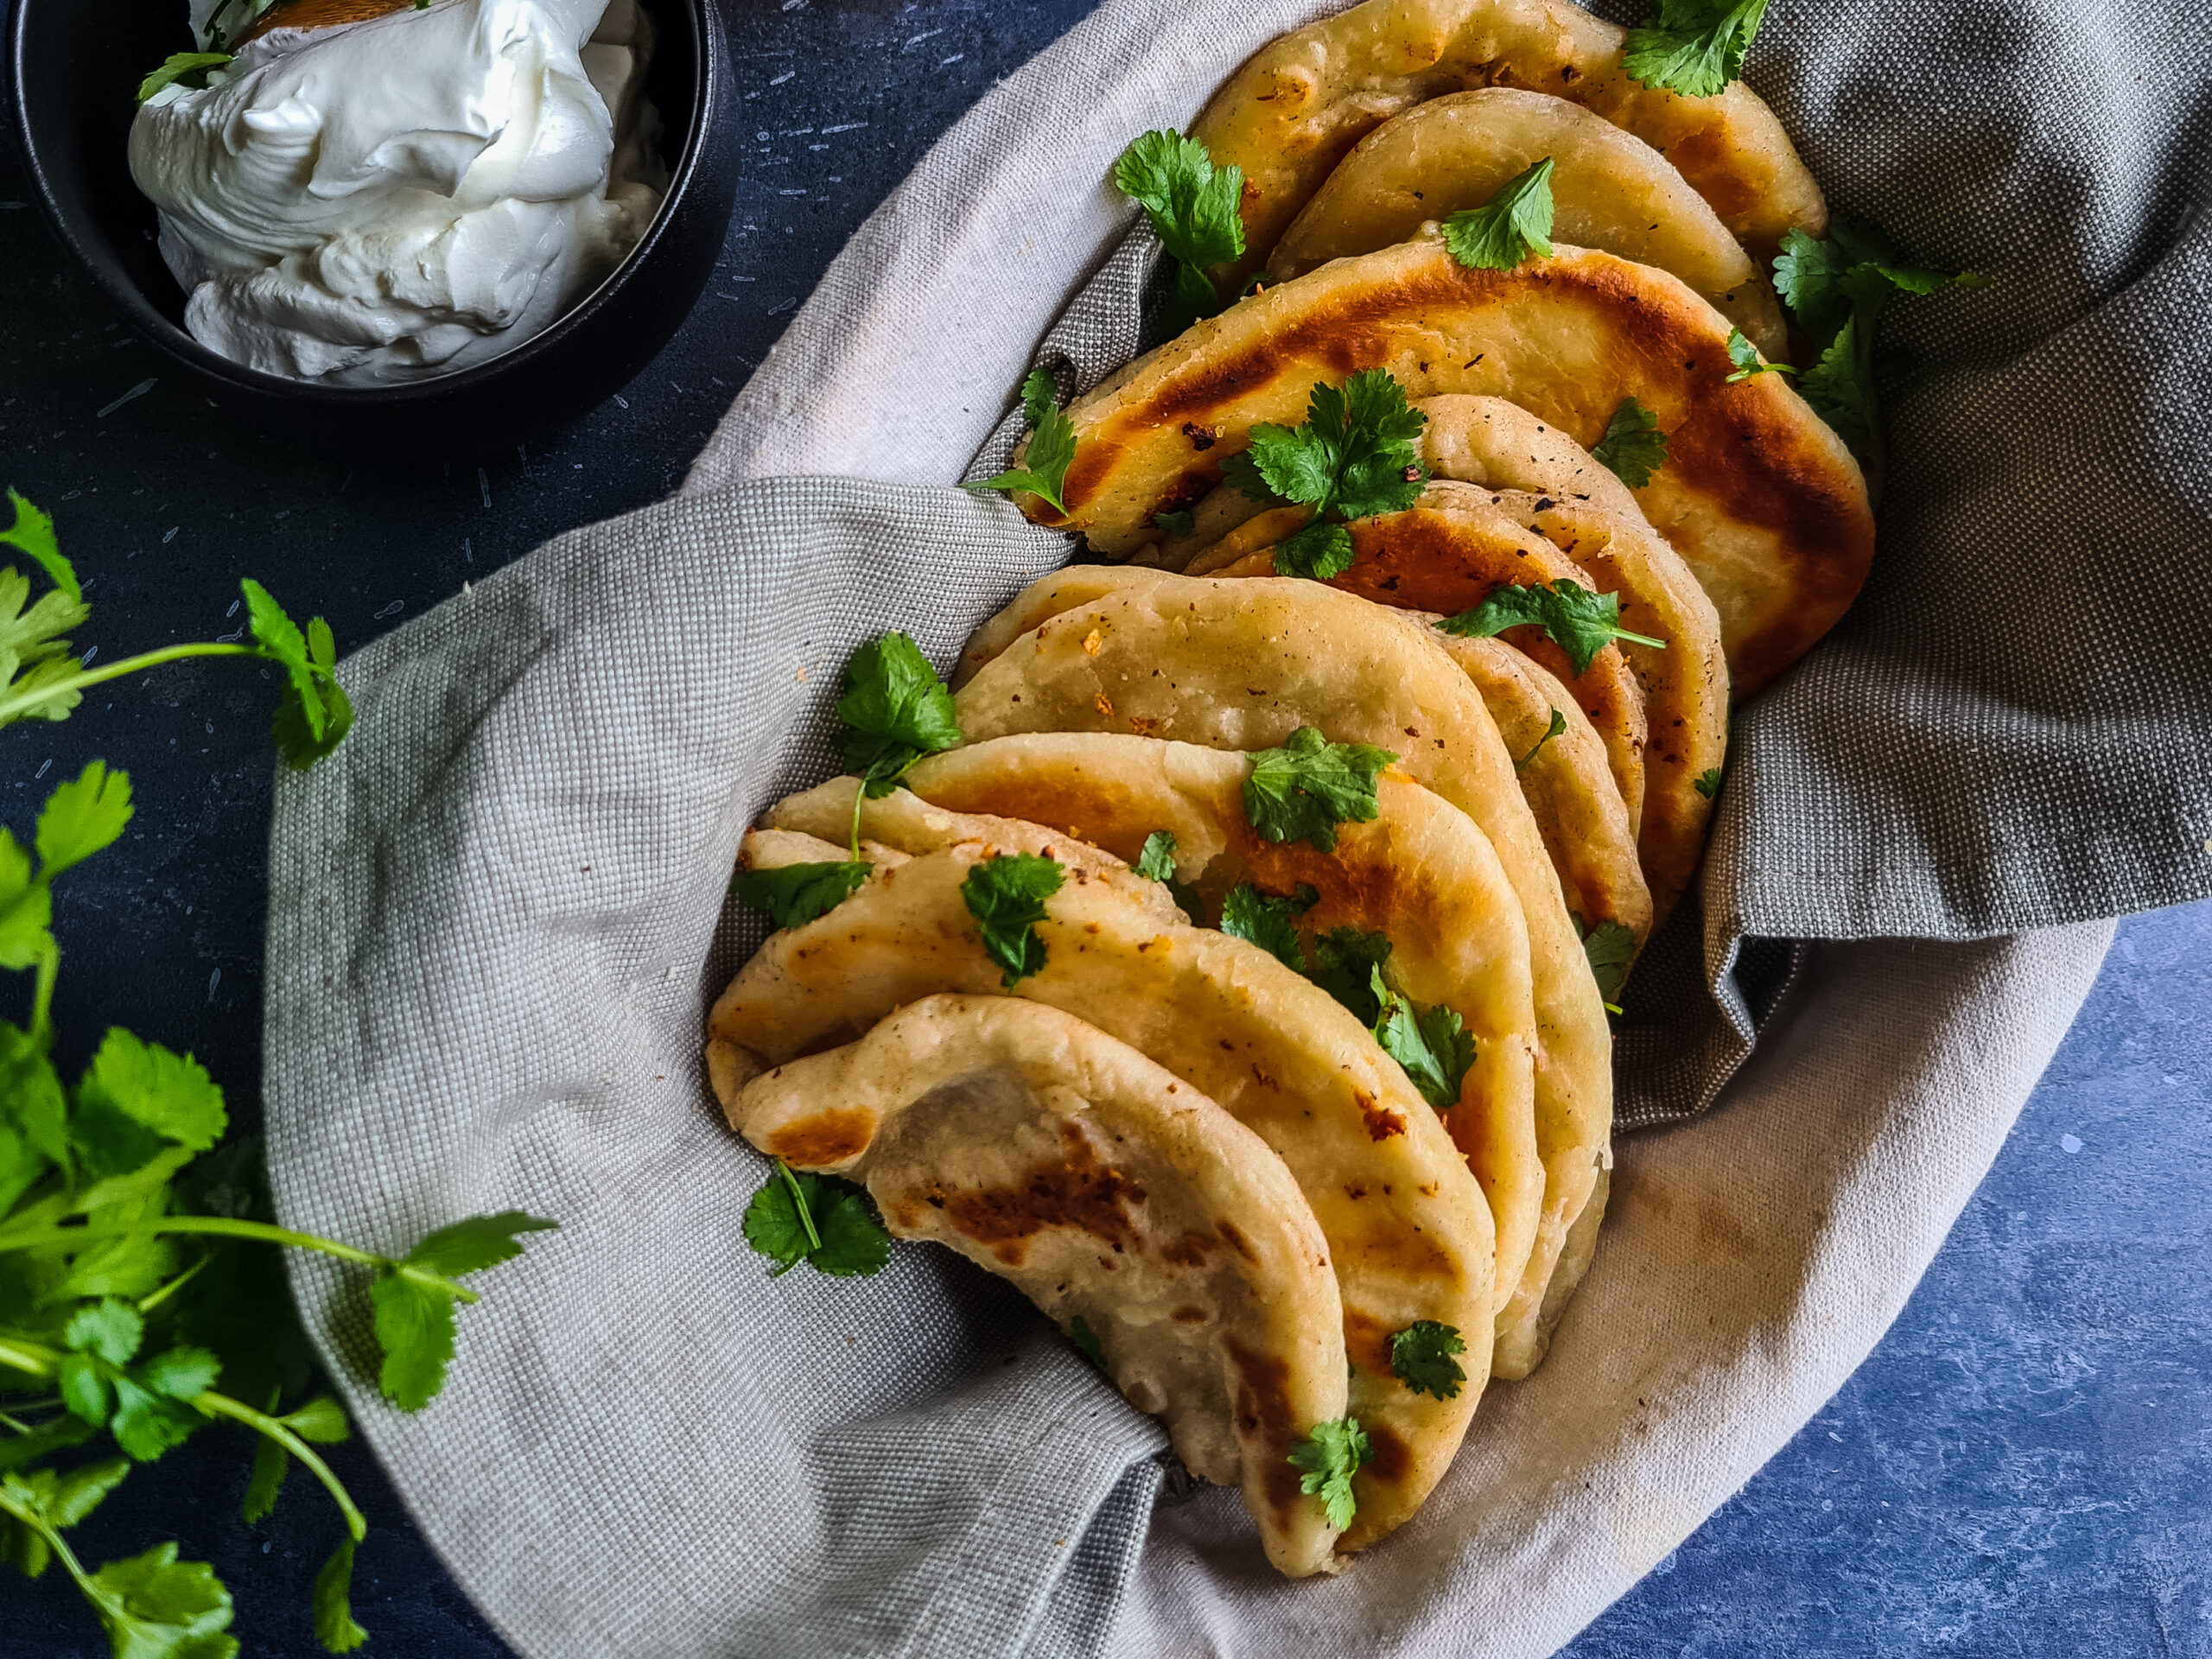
{"x": 385, "y": 200}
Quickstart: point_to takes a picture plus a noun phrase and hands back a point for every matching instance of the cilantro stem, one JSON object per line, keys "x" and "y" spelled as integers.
{"x": 860, "y": 795}
{"x": 221, "y": 1405}
{"x": 153, "y": 1299}
{"x": 49, "y": 970}
{"x": 224, "y": 1227}
{"x": 38, "y": 1523}
{"x": 1640, "y": 639}
{"x": 34, "y": 1359}
{"x": 12, "y": 707}
{"x": 798, "y": 1202}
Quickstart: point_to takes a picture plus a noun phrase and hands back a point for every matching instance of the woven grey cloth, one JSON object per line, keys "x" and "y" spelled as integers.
{"x": 496, "y": 916}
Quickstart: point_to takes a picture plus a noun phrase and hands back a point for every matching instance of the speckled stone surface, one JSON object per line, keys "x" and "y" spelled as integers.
{"x": 2024, "y": 1467}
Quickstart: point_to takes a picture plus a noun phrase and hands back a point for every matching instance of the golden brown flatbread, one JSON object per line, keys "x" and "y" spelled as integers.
{"x": 1300, "y": 103}
{"x": 1241, "y": 665}
{"x": 1118, "y": 1198}
{"x": 1609, "y": 190}
{"x": 1409, "y": 1234}
{"x": 1419, "y": 873}
{"x": 1759, "y": 497}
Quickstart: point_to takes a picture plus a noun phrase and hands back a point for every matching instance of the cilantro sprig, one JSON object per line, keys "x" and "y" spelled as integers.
{"x": 826, "y": 1222}
{"x": 1746, "y": 356}
{"x": 1156, "y": 862}
{"x": 1304, "y": 789}
{"x": 1432, "y": 1045}
{"x": 1505, "y": 230}
{"x": 1421, "y": 1358}
{"x": 136, "y": 1304}
{"x": 1330, "y": 1454}
{"x": 1694, "y": 47}
{"x": 1346, "y": 963}
{"x": 1838, "y": 290}
{"x": 1268, "y": 920}
{"x": 1707, "y": 783}
{"x": 1005, "y": 894}
{"x": 1633, "y": 448}
{"x": 181, "y": 68}
{"x": 1193, "y": 206}
{"x": 41, "y": 679}
{"x": 1354, "y": 457}
{"x": 794, "y": 895}
{"x": 1580, "y": 623}
{"x": 1558, "y": 726}
{"x": 1611, "y": 947}
{"x": 1044, "y": 471}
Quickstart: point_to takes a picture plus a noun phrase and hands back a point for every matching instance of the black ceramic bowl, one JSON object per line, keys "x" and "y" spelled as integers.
{"x": 73, "y": 68}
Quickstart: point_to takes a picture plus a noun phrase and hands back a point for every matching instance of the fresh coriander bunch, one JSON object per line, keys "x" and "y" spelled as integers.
{"x": 139, "y": 1301}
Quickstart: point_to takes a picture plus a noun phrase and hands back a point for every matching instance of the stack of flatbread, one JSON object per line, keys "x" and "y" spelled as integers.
{"x": 1182, "y": 1148}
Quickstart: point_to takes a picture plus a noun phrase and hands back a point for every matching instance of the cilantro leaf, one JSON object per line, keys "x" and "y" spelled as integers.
{"x": 413, "y": 1301}
{"x": 1354, "y": 457}
{"x": 25, "y": 909}
{"x": 188, "y": 68}
{"x": 1345, "y": 961}
{"x": 1580, "y": 623}
{"x": 108, "y": 1330}
{"x": 1044, "y": 471}
{"x": 298, "y": 739}
{"x": 1194, "y": 206}
{"x": 1434, "y": 1048}
{"x": 169, "y": 1094}
{"x": 1558, "y": 725}
{"x": 1838, "y": 289}
{"x": 854, "y": 1243}
{"x": 1509, "y": 227}
{"x": 157, "y": 1607}
{"x": 1633, "y": 448}
{"x": 82, "y": 816}
{"x": 1316, "y": 551}
{"x": 473, "y": 1245}
{"x": 1611, "y": 947}
{"x": 1421, "y": 1354}
{"x": 315, "y": 714}
{"x": 1177, "y": 525}
{"x": 897, "y": 711}
{"x": 1086, "y": 1341}
{"x": 1005, "y": 894}
{"x": 1265, "y": 919}
{"x": 1156, "y": 860}
{"x": 32, "y": 533}
{"x": 1840, "y": 387}
{"x": 414, "y": 1328}
{"x": 794, "y": 894}
{"x": 33, "y": 657}
{"x": 1746, "y": 356}
{"x": 334, "y": 1612}
{"x": 1330, "y": 1454}
{"x": 1692, "y": 47}
{"x": 1707, "y": 783}
{"x": 1309, "y": 786}
{"x": 847, "y": 1240}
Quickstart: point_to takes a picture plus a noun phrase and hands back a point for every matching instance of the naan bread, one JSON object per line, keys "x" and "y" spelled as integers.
{"x": 1609, "y": 190}
{"x": 1685, "y": 686}
{"x": 1108, "y": 1190}
{"x": 1762, "y": 500}
{"x": 1409, "y": 1236}
{"x": 1492, "y": 441}
{"x": 1419, "y": 873}
{"x": 1298, "y": 104}
{"x": 1241, "y": 665}
{"x": 1565, "y": 779}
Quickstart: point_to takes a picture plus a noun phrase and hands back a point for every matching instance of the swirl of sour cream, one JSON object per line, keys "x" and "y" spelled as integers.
{"x": 383, "y": 201}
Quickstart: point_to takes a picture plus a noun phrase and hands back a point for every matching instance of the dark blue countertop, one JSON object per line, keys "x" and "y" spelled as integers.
{"x": 2024, "y": 1467}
